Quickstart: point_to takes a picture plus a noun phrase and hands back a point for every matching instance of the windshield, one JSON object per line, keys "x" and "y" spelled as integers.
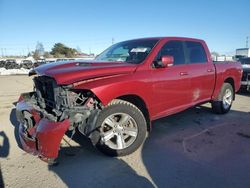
{"x": 134, "y": 51}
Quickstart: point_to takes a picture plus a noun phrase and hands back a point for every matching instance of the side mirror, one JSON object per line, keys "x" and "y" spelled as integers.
{"x": 167, "y": 61}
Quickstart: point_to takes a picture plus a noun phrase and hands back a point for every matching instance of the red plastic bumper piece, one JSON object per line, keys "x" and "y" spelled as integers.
{"x": 48, "y": 136}
{"x": 45, "y": 137}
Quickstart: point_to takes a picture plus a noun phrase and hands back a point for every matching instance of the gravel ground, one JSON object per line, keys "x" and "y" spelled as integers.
{"x": 192, "y": 149}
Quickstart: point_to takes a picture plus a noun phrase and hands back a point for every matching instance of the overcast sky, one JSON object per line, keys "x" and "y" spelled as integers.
{"x": 92, "y": 24}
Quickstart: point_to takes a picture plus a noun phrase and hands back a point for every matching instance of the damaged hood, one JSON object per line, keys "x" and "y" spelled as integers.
{"x": 71, "y": 72}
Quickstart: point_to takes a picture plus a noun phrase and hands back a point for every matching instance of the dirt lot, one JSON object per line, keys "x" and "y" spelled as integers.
{"x": 194, "y": 148}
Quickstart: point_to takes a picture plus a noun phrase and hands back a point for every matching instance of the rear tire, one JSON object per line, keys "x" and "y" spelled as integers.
{"x": 121, "y": 129}
{"x": 225, "y": 99}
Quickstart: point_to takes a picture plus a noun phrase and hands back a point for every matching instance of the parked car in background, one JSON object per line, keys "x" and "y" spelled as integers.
{"x": 2, "y": 63}
{"x": 113, "y": 99}
{"x": 50, "y": 61}
{"x": 11, "y": 64}
{"x": 245, "y": 80}
{"x": 65, "y": 59}
{"x": 27, "y": 64}
{"x": 39, "y": 62}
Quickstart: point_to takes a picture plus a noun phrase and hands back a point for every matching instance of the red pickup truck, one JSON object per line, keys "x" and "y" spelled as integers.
{"x": 113, "y": 99}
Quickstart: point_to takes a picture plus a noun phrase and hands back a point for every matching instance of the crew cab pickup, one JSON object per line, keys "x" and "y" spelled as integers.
{"x": 113, "y": 99}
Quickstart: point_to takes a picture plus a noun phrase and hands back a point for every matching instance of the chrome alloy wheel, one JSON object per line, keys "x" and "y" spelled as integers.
{"x": 227, "y": 99}
{"x": 118, "y": 131}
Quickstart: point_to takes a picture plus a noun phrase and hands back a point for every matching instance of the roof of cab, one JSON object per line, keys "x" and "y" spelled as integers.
{"x": 169, "y": 38}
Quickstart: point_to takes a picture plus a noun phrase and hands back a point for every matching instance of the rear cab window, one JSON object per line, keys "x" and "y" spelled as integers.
{"x": 195, "y": 52}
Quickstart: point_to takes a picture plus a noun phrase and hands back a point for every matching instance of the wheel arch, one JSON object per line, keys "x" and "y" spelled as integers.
{"x": 139, "y": 103}
{"x": 230, "y": 80}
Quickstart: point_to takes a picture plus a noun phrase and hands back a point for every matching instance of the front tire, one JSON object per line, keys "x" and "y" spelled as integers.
{"x": 121, "y": 129}
{"x": 225, "y": 99}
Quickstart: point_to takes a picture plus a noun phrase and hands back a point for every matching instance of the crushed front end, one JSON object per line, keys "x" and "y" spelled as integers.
{"x": 49, "y": 111}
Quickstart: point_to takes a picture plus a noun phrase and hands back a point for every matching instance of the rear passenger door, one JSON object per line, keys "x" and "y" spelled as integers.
{"x": 201, "y": 72}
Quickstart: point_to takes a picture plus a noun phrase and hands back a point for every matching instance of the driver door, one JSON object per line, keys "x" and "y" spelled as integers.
{"x": 171, "y": 84}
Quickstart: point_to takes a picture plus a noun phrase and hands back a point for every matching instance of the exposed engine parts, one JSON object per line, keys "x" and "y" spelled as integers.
{"x": 57, "y": 103}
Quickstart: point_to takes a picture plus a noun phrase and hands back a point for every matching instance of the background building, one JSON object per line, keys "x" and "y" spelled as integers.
{"x": 242, "y": 52}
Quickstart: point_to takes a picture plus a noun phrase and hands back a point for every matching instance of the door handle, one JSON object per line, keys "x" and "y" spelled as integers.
{"x": 210, "y": 70}
{"x": 183, "y": 73}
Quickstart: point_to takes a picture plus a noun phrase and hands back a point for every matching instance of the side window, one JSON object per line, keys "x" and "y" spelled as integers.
{"x": 196, "y": 52}
{"x": 175, "y": 49}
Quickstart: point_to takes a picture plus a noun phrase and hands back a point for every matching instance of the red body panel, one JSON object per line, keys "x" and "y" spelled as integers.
{"x": 68, "y": 73}
{"x": 164, "y": 90}
{"x": 49, "y": 136}
{"x": 226, "y": 71}
{"x": 45, "y": 137}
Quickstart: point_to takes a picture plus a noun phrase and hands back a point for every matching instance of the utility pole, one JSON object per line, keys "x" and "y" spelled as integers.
{"x": 113, "y": 40}
{"x": 28, "y": 48}
{"x": 247, "y": 42}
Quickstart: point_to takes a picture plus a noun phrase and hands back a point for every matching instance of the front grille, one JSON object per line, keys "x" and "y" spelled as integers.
{"x": 45, "y": 88}
{"x": 245, "y": 76}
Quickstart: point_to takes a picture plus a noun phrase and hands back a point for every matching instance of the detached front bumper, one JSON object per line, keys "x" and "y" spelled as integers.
{"x": 43, "y": 137}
